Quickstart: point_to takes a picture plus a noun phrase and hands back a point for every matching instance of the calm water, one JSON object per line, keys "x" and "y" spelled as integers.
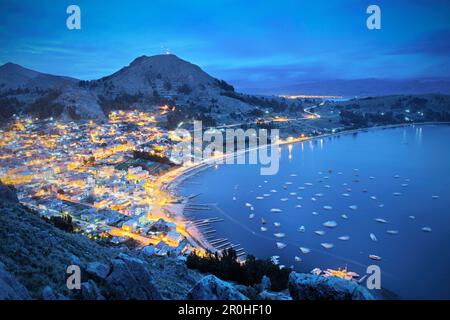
{"x": 414, "y": 263}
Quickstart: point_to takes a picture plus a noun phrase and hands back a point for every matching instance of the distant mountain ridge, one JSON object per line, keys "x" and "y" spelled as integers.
{"x": 14, "y": 76}
{"x": 360, "y": 87}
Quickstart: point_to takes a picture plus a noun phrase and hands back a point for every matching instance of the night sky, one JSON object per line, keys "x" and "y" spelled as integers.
{"x": 248, "y": 43}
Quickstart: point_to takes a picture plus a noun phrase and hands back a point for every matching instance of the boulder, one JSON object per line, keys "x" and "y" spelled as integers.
{"x": 97, "y": 270}
{"x": 269, "y": 295}
{"x": 10, "y": 288}
{"x": 212, "y": 288}
{"x": 89, "y": 291}
{"x": 48, "y": 293}
{"x": 129, "y": 279}
{"x": 313, "y": 287}
{"x": 265, "y": 283}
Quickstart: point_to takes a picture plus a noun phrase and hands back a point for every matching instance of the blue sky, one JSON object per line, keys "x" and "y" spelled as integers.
{"x": 248, "y": 43}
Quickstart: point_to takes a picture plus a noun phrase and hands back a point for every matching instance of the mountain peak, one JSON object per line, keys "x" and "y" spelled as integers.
{"x": 10, "y": 67}
{"x": 159, "y": 58}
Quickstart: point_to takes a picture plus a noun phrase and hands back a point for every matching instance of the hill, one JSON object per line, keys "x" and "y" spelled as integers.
{"x": 145, "y": 84}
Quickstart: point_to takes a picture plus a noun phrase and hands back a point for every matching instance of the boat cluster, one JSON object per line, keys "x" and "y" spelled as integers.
{"x": 328, "y": 224}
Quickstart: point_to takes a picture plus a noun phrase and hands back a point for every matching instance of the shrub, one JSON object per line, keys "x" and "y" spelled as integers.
{"x": 227, "y": 267}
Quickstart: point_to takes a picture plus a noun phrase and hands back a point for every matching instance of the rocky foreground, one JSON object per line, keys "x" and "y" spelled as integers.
{"x": 34, "y": 256}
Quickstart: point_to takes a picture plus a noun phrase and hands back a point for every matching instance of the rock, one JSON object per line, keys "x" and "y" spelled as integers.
{"x": 149, "y": 250}
{"x": 265, "y": 283}
{"x": 48, "y": 293}
{"x": 315, "y": 287}
{"x": 74, "y": 260}
{"x": 10, "y": 288}
{"x": 89, "y": 291}
{"x": 97, "y": 270}
{"x": 130, "y": 280}
{"x": 251, "y": 292}
{"x": 269, "y": 295}
{"x": 212, "y": 288}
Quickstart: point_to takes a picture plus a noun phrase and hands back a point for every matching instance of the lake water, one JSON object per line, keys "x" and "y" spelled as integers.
{"x": 398, "y": 171}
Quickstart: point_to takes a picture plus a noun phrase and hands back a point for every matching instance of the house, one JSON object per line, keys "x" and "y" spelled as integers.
{"x": 173, "y": 238}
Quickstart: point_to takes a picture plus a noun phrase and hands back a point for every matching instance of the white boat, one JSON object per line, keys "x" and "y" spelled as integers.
{"x": 297, "y": 259}
{"x": 353, "y": 207}
{"x": 299, "y": 198}
{"x": 279, "y": 235}
{"x": 404, "y": 185}
{"x": 301, "y": 229}
{"x": 277, "y": 224}
{"x": 346, "y": 195}
{"x": 305, "y": 250}
{"x": 275, "y": 260}
{"x": 396, "y": 176}
{"x": 313, "y": 199}
{"x": 344, "y": 216}
{"x": 266, "y": 194}
{"x": 373, "y": 197}
{"x": 373, "y": 237}
{"x": 374, "y": 257}
{"x": 330, "y": 224}
{"x": 380, "y": 220}
{"x": 273, "y": 191}
{"x": 234, "y": 198}
{"x": 251, "y": 216}
{"x": 426, "y": 229}
{"x": 281, "y": 245}
{"x": 293, "y": 194}
{"x": 435, "y": 197}
{"x": 284, "y": 199}
{"x": 298, "y": 206}
{"x": 308, "y": 184}
{"x": 412, "y": 217}
{"x": 371, "y": 177}
{"x": 248, "y": 205}
{"x": 328, "y": 207}
{"x": 301, "y": 188}
{"x": 393, "y": 232}
{"x": 293, "y": 175}
{"x": 275, "y": 210}
{"x": 314, "y": 213}
{"x": 397, "y": 194}
{"x": 319, "y": 195}
{"x": 381, "y": 205}
{"x": 344, "y": 238}
{"x": 319, "y": 232}
{"x": 263, "y": 229}
{"x": 316, "y": 271}
{"x": 327, "y": 245}
{"x": 259, "y": 198}
{"x": 288, "y": 183}
{"x": 327, "y": 186}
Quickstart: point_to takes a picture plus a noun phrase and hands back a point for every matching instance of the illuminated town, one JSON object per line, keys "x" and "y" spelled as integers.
{"x": 88, "y": 171}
